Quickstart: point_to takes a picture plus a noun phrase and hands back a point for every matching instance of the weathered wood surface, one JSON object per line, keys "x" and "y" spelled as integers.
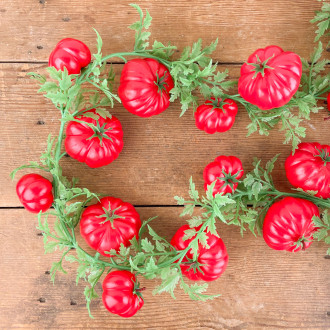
{"x": 260, "y": 288}
{"x": 160, "y": 153}
{"x": 29, "y": 29}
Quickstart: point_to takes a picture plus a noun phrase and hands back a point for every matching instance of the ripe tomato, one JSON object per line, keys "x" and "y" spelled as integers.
{"x": 109, "y": 223}
{"x": 95, "y": 147}
{"x": 309, "y": 168}
{"x": 288, "y": 224}
{"x": 216, "y": 115}
{"x": 121, "y": 293}
{"x": 144, "y": 87}
{"x": 211, "y": 262}
{"x": 226, "y": 171}
{"x": 270, "y": 77}
{"x": 35, "y": 193}
{"x": 71, "y": 54}
{"x": 328, "y": 101}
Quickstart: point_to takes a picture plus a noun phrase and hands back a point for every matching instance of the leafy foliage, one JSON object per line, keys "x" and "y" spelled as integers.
{"x": 322, "y": 18}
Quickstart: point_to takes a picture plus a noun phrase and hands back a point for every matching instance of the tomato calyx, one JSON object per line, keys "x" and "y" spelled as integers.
{"x": 100, "y": 132}
{"x": 137, "y": 290}
{"x": 194, "y": 265}
{"x": 301, "y": 243}
{"x": 229, "y": 178}
{"x": 260, "y": 67}
{"x": 324, "y": 155}
{"x": 218, "y": 104}
{"x": 109, "y": 215}
{"x": 161, "y": 82}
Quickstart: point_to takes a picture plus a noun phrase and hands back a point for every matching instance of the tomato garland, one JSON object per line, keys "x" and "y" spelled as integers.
{"x": 113, "y": 228}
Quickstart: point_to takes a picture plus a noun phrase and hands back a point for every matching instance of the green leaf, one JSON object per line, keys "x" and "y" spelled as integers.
{"x": 146, "y": 245}
{"x": 189, "y": 233}
{"x": 170, "y": 279}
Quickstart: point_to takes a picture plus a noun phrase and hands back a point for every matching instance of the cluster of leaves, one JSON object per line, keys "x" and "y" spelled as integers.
{"x": 322, "y": 18}
{"x": 323, "y": 223}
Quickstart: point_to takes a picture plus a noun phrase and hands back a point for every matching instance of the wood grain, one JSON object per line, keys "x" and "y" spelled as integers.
{"x": 160, "y": 153}
{"x": 260, "y": 288}
{"x": 30, "y": 29}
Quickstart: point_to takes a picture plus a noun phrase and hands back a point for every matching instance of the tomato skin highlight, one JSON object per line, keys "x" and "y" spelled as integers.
{"x": 287, "y": 221}
{"x": 213, "y": 117}
{"x": 80, "y": 144}
{"x": 71, "y": 54}
{"x": 120, "y": 295}
{"x": 35, "y": 193}
{"x": 232, "y": 166}
{"x": 139, "y": 91}
{"x": 277, "y": 82}
{"x": 309, "y": 168}
{"x": 104, "y": 232}
{"x": 213, "y": 260}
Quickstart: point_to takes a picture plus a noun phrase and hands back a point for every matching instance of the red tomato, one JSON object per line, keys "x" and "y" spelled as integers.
{"x": 216, "y": 115}
{"x": 226, "y": 171}
{"x": 144, "y": 87}
{"x": 270, "y": 77}
{"x": 211, "y": 262}
{"x": 71, "y": 54}
{"x": 95, "y": 147}
{"x": 121, "y": 293}
{"x": 288, "y": 222}
{"x": 309, "y": 168}
{"x": 109, "y": 223}
{"x": 328, "y": 101}
{"x": 35, "y": 193}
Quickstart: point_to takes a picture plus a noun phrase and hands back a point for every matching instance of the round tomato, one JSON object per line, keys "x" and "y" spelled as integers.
{"x": 309, "y": 168}
{"x": 97, "y": 146}
{"x": 328, "y": 101}
{"x": 226, "y": 171}
{"x": 211, "y": 262}
{"x": 71, "y": 54}
{"x": 108, "y": 224}
{"x": 121, "y": 293}
{"x": 144, "y": 87}
{"x": 216, "y": 115}
{"x": 270, "y": 77}
{"x": 35, "y": 193}
{"x": 288, "y": 224}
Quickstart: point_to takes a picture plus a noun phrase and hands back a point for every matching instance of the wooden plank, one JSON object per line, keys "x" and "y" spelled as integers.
{"x": 30, "y": 29}
{"x": 160, "y": 153}
{"x": 260, "y": 288}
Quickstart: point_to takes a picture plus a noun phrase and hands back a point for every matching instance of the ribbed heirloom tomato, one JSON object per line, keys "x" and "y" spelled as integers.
{"x": 211, "y": 262}
{"x": 144, "y": 87}
{"x": 288, "y": 224}
{"x": 121, "y": 293}
{"x": 309, "y": 168}
{"x": 226, "y": 171}
{"x": 109, "y": 223}
{"x": 96, "y": 146}
{"x": 71, "y": 54}
{"x": 216, "y": 115}
{"x": 35, "y": 192}
{"x": 270, "y": 77}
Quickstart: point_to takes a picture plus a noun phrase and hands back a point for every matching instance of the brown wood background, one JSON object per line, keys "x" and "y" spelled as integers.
{"x": 261, "y": 288}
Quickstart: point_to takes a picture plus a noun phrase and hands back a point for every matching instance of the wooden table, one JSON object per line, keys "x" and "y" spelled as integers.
{"x": 261, "y": 288}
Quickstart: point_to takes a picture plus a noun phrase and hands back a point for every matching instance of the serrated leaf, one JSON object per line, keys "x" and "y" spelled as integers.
{"x": 146, "y": 245}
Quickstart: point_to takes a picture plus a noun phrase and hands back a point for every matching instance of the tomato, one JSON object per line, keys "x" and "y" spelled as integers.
{"x": 109, "y": 223}
{"x": 226, "y": 171}
{"x": 288, "y": 224}
{"x": 211, "y": 262}
{"x": 270, "y": 77}
{"x": 121, "y": 293}
{"x": 71, "y": 54}
{"x": 35, "y": 193}
{"x": 216, "y": 115}
{"x": 309, "y": 168}
{"x": 328, "y": 101}
{"x": 94, "y": 146}
{"x": 144, "y": 87}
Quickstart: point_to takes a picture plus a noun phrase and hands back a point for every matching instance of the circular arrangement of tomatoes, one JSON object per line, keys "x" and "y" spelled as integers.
{"x": 288, "y": 224}
{"x": 226, "y": 171}
{"x": 96, "y": 146}
{"x": 144, "y": 87}
{"x": 71, "y": 54}
{"x": 108, "y": 224}
{"x": 211, "y": 262}
{"x": 216, "y": 115}
{"x": 270, "y": 77}
{"x": 121, "y": 293}
{"x": 309, "y": 168}
{"x": 35, "y": 193}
